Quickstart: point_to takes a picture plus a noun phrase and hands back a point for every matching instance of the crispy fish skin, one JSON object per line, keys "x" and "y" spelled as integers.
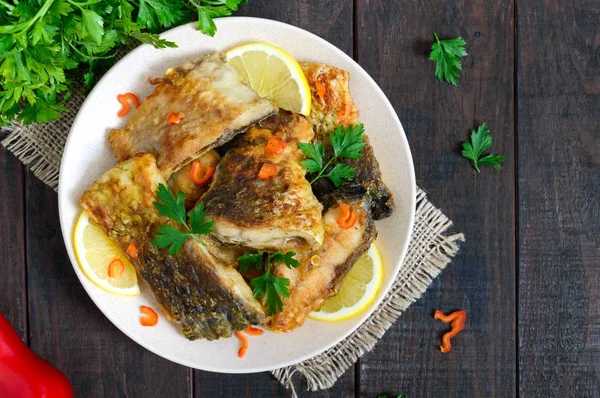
{"x": 325, "y": 118}
{"x": 200, "y": 293}
{"x": 216, "y": 105}
{"x": 323, "y": 270}
{"x": 277, "y": 213}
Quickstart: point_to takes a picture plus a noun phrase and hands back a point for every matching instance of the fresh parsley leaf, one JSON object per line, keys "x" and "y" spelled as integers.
{"x": 287, "y": 258}
{"x": 197, "y": 224}
{"x": 270, "y": 288}
{"x": 169, "y": 206}
{"x": 446, "y": 54}
{"x": 481, "y": 139}
{"x": 93, "y": 25}
{"x": 346, "y": 143}
{"x": 349, "y": 142}
{"x": 173, "y": 208}
{"x": 339, "y": 173}
{"x": 315, "y": 153}
{"x": 250, "y": 261}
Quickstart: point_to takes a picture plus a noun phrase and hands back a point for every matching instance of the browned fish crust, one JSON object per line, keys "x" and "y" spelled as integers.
{"x": 277, "y": 213}
{"x": 202, "y": 295}
{"x": 216, "y": 106}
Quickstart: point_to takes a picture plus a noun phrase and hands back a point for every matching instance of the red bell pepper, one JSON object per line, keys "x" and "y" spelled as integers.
{"x": 25, "y": 375}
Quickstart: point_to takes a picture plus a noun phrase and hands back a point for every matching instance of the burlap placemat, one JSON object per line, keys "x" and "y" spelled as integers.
{"x": 430, "y": 250}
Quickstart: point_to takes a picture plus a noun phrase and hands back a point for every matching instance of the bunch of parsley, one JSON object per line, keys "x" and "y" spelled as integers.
{"x": 46, "y": 44}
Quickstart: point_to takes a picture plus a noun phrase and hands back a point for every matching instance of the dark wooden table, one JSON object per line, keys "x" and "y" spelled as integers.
{"x": 528, "y": 276}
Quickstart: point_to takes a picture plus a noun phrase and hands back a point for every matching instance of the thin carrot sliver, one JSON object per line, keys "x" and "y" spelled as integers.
{"x": 252, "y": 331}
{"x": 321, "y": 89}
{"x": 244, "y": 347}
{"x": 132, "y": 251}
{"x": 124, "y": 101}
{"x": 200, "y": 174}
{"x": 116, "y": 268}
{"x": 148, "y": 317}
{"x": 457, "y": 324}
{"x": 267, "y": 170}
{"x": 344, "y": 114}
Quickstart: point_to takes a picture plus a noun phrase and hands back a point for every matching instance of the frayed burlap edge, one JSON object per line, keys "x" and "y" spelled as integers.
{"x": 429, "y": 252}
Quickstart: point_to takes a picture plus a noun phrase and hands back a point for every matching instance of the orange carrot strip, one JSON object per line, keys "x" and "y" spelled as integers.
{"x": 274, "y": 145}
{"x": 124, "y": 101}
{"x": 175, "y": 118}
{"x": 457, "y": 323}
{"x": 252, "y": 331}
{"x": 200, "y": 174}
{"x": 267, "y": 170}
{"x": 344, "y": 114}
{"x": 349, "y": 223}
{"x": 345, "y": 214}
{"x": 116, "y": 268}
{"x": 244, "y": 347}
{"x": 321, "y": 90}
{"x": 132, "y": 251}
{"x": 148, "y": 317}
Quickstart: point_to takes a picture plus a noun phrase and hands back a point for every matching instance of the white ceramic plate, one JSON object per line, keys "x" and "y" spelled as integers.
{"x": 87, "y": 156}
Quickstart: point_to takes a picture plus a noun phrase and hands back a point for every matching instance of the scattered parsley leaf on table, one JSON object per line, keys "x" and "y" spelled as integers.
{"x": 446, "y": 54}
{"x": 268, "y": 286}
{"x": 481, "y": 139}
{"x": 174, "y": 208}
{"x": 346, "y": 143}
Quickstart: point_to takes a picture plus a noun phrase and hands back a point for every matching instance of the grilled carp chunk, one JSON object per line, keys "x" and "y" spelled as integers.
{"x": 326, "y": 110}
{"x": 323, "y": 270}
{"x": 277, "y": 213}
{"x": 215, "y": 103}
{"x": 196, "y": 289}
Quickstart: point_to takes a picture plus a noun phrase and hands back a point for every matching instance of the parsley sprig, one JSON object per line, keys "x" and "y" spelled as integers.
{"x": 446, "y": 54}
{"x": 481, "y": 139}
{"x": 174, "y": 208}
{"x": 44, "y": 42}
{"x": 346, "y": 143}
{"x": 268, "y": 286}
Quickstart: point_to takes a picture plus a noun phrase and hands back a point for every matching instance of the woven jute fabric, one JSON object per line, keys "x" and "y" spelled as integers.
{"x": 431, "y": 249}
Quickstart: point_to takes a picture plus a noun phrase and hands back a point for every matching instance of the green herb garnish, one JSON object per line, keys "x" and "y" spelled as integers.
{"x": 269, "y": 286}
{"x": 43, "y": 42}
{"x": 480, "y": 141}
{"x": 346, "y": 143}
{"x": 174, "y": 209}
{"x": 446, "y": 54}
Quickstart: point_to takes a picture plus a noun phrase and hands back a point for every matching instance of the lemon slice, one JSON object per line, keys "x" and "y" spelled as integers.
{"x": 357, "y": 291}
{"x": 95, "y": 251}
{"x": 274, "y": 74}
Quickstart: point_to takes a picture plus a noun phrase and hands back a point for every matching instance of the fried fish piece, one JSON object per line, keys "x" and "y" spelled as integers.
{"x": 276, "y": 213}
{"x": 215, "y": 104}
{"x": 323, "y": 270}
{"x": 203, "y": 295}
{"x": 328, "y": 111}
{"x": 181, "y": 181}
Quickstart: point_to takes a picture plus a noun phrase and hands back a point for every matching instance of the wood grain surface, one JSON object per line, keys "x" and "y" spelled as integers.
{"x": 528, "y": 275}
{"x": 559, "y": 196}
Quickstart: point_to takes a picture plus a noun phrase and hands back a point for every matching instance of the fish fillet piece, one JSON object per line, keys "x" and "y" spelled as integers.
{"x": 196, "y": 289}
{"x": 322, "y": 271}
{"x": 325, "y": 117}
{"x": 215, "y": 103}
{"x": 277, "y": 213}
{"x": 181, "y": 180}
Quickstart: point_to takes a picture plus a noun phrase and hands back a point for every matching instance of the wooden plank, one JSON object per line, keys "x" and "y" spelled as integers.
{"x": 332, "y": 20}
{"x": 67, "y": 328}
{"x": 394, "y": 41}
{"x": 559, "y": 191}
{"x": 13, "y": 287}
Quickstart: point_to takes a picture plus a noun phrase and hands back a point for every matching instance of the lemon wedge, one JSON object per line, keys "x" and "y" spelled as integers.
{"x": 95, "y": 251}
{"x": 357, "y": 291}
{"x": 274, "y": 74}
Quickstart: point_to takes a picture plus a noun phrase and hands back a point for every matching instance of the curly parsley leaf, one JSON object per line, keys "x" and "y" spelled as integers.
{"x": 346, "y": 143}
{"x": 446, "y": 54}
{"x": 174, "y": 208}
{"x": 481, "y": 139}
